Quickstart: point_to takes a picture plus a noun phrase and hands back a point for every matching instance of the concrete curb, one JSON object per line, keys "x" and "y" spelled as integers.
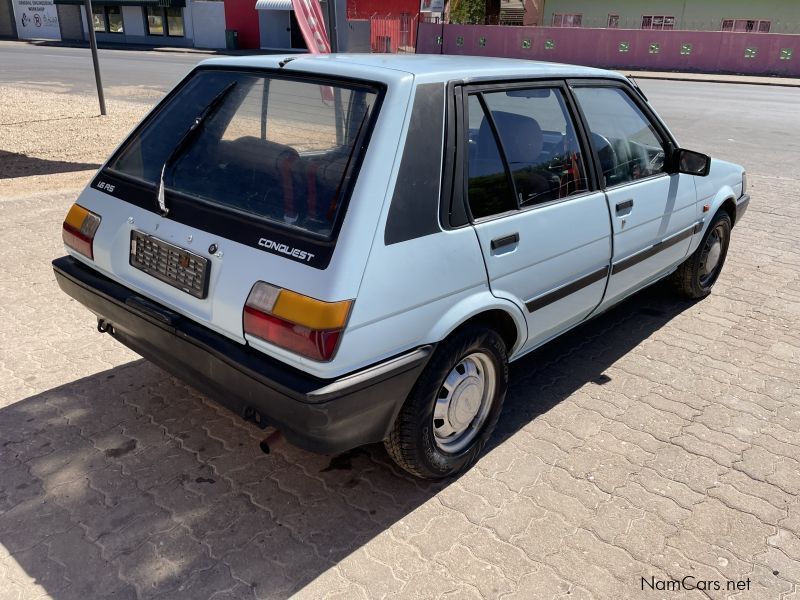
{"x": 714, "y": 78}
{"x": 144, "y": 48}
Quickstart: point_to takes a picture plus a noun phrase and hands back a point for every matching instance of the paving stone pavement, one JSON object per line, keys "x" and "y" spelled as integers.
{"x": 659, "y": 441}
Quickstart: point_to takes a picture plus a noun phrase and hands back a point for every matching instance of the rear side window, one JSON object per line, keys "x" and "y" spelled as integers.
{"x": 490, "y": 191}
{"x": 523, "y": 150}
{"x": 540, "y": 143}
{"x": 276, "y": 148}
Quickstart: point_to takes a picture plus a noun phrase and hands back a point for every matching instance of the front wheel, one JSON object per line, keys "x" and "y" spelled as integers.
{"x": 698, "y": 273}
{"x": 453, "y": 408}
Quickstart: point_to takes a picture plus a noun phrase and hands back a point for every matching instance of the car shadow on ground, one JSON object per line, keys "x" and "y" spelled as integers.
{"x": 13, "y": 164}
{"x": 130, "y": 476}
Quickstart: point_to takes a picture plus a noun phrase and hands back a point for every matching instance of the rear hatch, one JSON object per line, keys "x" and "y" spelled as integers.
{"x": 238, "y": 176}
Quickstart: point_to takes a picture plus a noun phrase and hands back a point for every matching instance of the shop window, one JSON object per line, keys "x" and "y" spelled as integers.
{"x": 114, "y": 19}
{"x": 107, "y": 19}
{"x": 658, "y": 22}
{"x": 567, "y": 20}
{"x": 164, "y": 21}
{"x": 746, "y": 25}
{"x": 155, "y": 20}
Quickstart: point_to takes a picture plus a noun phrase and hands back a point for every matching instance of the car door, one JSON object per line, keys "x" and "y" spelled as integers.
{"x": 542, "y": 224}
{"x": 653, "y": 212}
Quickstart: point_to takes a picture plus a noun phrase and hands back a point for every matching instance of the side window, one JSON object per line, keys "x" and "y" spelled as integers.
{"x": 628, "y": 146}
{"x": 489, "y": 189}
{"x": 539, "y": 141}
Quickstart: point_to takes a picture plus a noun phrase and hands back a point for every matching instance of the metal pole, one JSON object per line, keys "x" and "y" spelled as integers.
{"x": 93, "y": 46}
{"x": 333, "y": 33}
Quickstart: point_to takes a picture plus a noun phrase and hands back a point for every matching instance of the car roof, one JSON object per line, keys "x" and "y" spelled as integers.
{"x": 427, "y": 67}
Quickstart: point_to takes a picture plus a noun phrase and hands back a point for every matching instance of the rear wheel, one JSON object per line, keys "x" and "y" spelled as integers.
{"x": 698, "y": 273}
{"x": 453, "y": 408}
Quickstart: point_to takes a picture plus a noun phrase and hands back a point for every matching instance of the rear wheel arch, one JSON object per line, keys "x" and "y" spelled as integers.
{"x": 498, "y": 320}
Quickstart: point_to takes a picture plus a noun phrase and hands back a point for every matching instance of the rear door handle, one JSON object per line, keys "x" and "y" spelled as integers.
{"x": 626, "y": 205}
{"x": 506, "y": 240}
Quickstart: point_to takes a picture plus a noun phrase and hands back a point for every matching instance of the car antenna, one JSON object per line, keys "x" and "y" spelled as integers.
{"x": 287, "y": 60}
{"x": 635, "y": 83}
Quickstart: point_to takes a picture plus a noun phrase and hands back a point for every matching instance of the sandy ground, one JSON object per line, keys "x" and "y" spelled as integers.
{"x": 50, "y": 140}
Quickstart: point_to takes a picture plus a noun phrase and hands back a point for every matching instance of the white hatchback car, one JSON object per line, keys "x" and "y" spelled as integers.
{"x": 352, "y": 247}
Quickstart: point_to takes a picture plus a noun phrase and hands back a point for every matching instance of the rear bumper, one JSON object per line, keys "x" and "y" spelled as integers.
{"x": 741, "y": 206}
{"x": 321, "y": 415}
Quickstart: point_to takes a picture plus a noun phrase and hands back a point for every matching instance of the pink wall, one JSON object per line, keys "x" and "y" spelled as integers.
{"x": 712, "y": 51}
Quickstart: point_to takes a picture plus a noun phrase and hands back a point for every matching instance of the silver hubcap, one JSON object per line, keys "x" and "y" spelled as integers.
{"x": 463, "y": 403}
{"x": 712, "y": 252}
{"x": 712, "y": 258}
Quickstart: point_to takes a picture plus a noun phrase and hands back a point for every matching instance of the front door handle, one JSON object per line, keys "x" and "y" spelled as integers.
{"x": 506, "y": 240}
{"x": 626, "y": 205}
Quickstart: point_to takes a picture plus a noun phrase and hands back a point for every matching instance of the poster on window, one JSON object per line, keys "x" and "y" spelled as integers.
{"x": 36, "y": 20}
{"x": 431, "y": 6}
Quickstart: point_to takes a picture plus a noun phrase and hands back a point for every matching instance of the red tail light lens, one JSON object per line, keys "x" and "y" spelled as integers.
{"x": 295, "y": 322}
{"x": 78, "y": 230}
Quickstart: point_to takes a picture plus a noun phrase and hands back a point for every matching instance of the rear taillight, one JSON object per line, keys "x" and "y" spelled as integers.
{"x": 295, "y": 322}
{"x": 79, "y": 229}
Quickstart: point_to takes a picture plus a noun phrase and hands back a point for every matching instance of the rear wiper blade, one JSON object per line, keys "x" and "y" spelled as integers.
{"x": 188, "y": 136}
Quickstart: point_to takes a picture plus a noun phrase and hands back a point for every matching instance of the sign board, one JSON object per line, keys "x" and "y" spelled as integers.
{"x": 431, "y": 6}
{"x": 36, "y": 19}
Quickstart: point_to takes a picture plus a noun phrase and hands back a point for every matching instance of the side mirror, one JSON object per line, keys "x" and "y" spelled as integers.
{"x": 690, "y": 162}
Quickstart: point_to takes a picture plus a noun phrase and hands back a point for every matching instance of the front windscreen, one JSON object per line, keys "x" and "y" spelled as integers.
{"x": 277, "y": 148}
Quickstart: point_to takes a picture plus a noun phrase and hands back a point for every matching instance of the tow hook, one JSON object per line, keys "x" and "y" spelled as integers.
{"x": 104, "y": 326}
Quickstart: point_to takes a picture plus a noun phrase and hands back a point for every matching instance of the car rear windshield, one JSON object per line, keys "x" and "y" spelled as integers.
{"x": 278, "y": 148}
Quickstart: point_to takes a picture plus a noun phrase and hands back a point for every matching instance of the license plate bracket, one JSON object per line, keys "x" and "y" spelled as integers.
{"x": 171, "y": 264}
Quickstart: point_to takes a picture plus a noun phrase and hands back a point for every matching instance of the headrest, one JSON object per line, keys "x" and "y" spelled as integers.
{"x": 521, "y": 136}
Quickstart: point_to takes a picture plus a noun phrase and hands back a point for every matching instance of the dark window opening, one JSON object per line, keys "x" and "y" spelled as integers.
{"x": 164, "y": 21}
{"x": 658, "y": 22}
{"x": 746, "y": 25}
{"x": 107, "y": 19}
{"x": 567, "y": 20}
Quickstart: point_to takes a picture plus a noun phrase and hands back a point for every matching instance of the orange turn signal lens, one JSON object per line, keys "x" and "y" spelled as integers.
{"x": 309, "y": 312}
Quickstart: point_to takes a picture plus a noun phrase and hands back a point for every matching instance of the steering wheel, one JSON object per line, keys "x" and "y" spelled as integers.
{"x": 609, "y": 161}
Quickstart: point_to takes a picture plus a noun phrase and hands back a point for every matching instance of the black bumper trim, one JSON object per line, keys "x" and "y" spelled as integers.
{"x": 321, "y": 415}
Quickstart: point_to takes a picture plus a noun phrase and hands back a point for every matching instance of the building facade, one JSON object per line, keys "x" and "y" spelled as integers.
{"x": 246, "y": 24}
{"x": 776, "y": 16}
{"x": 183, "y": 23}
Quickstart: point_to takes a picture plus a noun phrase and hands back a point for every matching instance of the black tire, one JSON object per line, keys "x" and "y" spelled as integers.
{"x": 412, "y": 443}
{"x": 690, "y": 279}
